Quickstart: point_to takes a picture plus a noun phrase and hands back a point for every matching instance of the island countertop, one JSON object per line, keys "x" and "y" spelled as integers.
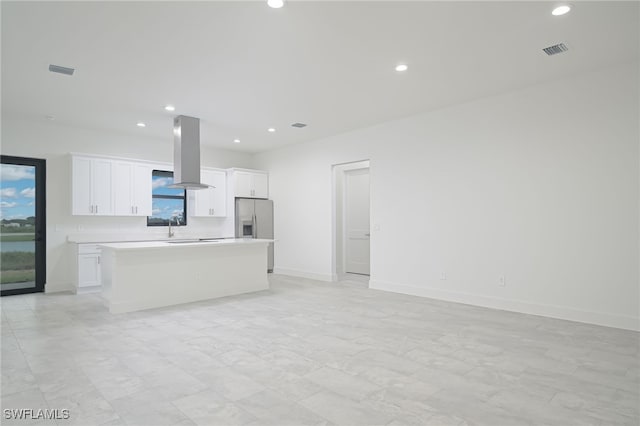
{"x": 168, "y": 244}
{"x": 153, "y": 274}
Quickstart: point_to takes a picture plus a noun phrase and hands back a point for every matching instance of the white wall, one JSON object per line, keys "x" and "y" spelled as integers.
{"x": 54, "y": 142}
{"x": 539, "y": 186}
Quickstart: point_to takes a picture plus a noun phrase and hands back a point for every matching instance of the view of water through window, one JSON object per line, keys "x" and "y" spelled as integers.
{"x": 17, "y": 227}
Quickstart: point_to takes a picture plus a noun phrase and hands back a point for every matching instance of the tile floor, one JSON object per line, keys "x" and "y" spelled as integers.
{"x": 311, "y": 353}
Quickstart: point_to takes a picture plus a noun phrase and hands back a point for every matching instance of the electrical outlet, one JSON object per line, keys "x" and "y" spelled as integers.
{"x": 502, "y": 282}
{"x": 443, "y": 276}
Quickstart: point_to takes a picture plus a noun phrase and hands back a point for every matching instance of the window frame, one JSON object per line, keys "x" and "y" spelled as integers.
{"x": 168, "y": 173}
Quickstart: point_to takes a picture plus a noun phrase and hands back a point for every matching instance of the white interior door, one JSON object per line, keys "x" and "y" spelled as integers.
{"x": 356, "y": 184}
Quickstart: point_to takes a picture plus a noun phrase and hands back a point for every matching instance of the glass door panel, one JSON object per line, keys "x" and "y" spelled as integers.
{"x": 22, "y": 235}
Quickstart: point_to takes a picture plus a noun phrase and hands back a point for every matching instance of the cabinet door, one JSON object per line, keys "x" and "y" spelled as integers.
{"x": 260, "y": 185}
{"x": 101, "y": 185}
{"x": 218, "y": 194}
{"x": 200, "y": 200}
{"x": 81, "y": 186}
{"x": 141, "y": 189}
{"x": 211, "y": 201}
{"x": 243, "y": 184}
{"x": 199, "y": 203}
{"x": 122, "y": 186}
{"x": 205, "y": 196}
{"x": 89, "y": 270}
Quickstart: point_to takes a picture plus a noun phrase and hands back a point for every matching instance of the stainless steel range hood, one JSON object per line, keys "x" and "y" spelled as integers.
{"x": 186, "y": 153}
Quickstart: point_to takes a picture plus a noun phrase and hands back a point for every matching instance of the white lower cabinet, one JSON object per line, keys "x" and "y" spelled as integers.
{"x": 89, "y": 278}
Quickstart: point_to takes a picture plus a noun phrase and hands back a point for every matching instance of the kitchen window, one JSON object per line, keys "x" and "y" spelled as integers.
{"x": 169, "y": 205}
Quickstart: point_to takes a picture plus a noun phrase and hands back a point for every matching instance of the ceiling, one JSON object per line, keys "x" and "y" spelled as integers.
{"x": 242, "y": 67}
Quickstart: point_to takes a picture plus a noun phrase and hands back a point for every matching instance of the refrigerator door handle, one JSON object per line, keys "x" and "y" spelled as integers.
{"x": 255, "y": 226}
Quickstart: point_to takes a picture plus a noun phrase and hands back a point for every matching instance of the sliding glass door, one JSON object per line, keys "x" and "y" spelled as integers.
{"x": 23, "y": 225}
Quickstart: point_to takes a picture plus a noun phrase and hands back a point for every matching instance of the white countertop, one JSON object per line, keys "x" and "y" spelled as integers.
{"x": 183, "y": 243}
{"x": 105, "y": 238}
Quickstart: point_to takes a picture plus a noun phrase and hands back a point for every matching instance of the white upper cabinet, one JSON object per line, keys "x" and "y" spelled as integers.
{"x": 260, "y": 185}
{"x": 110, "y": 187}
{"x": 142, "y": 187}
{"x": 251, "y": 184}
{"x": 132, "y": 189}
{"x": 92, "y": 186}
{"x": 210, "y": 202}
{"x": 243, "y": 184}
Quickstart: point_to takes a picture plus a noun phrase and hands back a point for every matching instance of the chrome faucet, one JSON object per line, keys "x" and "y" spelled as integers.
{"x": 171, "y": 233}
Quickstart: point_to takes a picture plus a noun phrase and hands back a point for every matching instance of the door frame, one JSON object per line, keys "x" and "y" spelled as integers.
{"x": 337, "y": 212}
{"x": 41, "y": 222}
{"x": 345, "y": 212}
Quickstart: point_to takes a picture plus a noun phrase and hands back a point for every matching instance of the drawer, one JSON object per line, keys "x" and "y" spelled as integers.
{"x": 88, "y": 249}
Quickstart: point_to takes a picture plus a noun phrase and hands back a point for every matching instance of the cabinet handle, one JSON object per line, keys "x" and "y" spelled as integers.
{"x": 98, "y": 260}
{"x": 96, "y": 208}
{"x": 213, "y": 212}
{"x": 136, "y": 209}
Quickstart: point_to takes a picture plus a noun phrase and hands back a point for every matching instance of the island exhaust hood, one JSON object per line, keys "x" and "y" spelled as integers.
{"x": 186, "y": 153}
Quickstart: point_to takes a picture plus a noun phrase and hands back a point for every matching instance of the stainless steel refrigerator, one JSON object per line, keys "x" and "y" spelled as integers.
{"x": 254, "y": 219}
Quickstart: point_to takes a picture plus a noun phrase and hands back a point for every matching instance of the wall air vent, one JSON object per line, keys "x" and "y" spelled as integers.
{"x": 61, "y": 70}
{"x": 555, "y": 49}
{"x": 299, "y": 125}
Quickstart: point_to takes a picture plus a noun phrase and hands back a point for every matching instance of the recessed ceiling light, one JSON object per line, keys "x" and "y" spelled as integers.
{"x": 402, "y": 67}
{"x": 50, "y": 117}
{"x": 170, "y": 108}
{"x": 236, "y": 141}
{"x": 271, "y": 130}
{"x": 141, "y": 124}
{"x": 276, "y": 4}
{"x": 561, "y": 10}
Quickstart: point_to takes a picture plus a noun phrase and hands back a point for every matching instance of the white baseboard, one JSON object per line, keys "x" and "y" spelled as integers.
{"x": 58, "y": 287}
{"x": 561, "y": 312}
{"x": 303, "y": 274}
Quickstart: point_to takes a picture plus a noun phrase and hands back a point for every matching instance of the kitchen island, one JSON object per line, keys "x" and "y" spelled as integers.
{"x": 152, "y": 274}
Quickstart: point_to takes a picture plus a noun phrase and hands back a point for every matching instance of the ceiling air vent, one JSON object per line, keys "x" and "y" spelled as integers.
{"x": 61, "y": 70}
{"x": 299, "y": 125}
{"x": 555, "y": 49}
